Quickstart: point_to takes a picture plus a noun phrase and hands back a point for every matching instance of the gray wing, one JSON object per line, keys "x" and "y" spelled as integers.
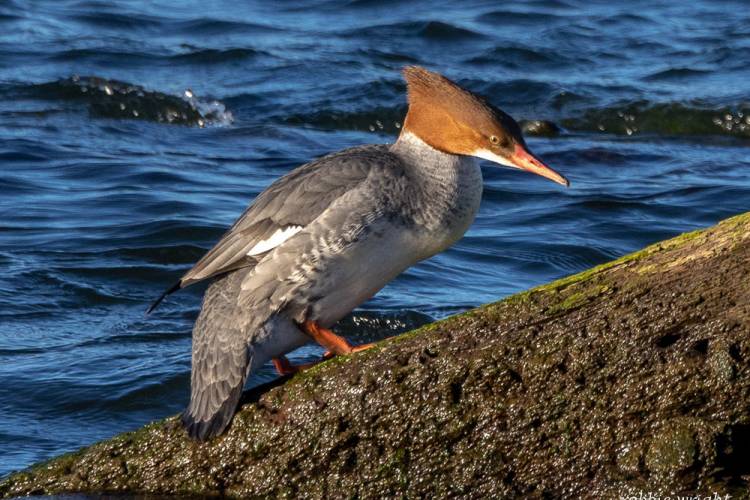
{"x": 328, "y": 253}
{"x": 232, "y": 313}
{"x": 220, "y": 361}
{"x": 294, "y": 200}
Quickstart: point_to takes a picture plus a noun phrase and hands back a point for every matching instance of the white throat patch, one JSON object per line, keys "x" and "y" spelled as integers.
{"x": 486, "y": 154}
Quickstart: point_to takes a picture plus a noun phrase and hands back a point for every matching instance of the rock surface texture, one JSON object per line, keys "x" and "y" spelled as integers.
{"x": 631, "y": 377}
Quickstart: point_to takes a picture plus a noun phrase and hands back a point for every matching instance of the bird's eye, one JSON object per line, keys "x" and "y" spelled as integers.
{"x": 494, "y": 139}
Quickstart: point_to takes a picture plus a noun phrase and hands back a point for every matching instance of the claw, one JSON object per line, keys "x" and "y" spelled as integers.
{"x": 285, "y": 367}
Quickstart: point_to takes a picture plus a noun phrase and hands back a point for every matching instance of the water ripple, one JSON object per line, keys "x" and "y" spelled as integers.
{"x": 117, "y": 182}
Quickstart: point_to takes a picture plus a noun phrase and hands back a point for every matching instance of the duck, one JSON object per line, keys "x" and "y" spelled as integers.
{"x": 327, "y": 236}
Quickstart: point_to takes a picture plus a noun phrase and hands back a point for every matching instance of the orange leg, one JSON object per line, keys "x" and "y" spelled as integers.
{"x": 334, "y": 343}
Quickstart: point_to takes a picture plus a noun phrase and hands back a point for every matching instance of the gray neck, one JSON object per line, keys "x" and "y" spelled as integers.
{"x": 430, "y": 161}
{"x": 449, "y": 186}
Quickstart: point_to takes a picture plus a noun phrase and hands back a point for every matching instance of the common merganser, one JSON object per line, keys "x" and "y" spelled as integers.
{"x": 327, "y": 236}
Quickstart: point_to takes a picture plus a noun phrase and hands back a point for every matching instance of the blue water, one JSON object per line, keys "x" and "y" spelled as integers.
{"x": 115, "y": 179}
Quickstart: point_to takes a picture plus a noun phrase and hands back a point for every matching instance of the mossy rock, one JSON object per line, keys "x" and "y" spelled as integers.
{"x": 631, "y": 377}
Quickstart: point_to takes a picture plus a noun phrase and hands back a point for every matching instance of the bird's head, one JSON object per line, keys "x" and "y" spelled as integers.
{"x": 456, "y": 121}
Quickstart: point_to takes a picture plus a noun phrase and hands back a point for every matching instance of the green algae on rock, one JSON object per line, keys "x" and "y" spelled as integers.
{"x": 630, "y": 377}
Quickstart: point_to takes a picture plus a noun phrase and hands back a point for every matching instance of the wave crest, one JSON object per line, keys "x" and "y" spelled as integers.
{"x": 116, "y": 99}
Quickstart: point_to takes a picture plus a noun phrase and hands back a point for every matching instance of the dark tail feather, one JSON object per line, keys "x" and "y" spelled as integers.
{"x": 203, "y": 430}
{"x": 156, "y": 303}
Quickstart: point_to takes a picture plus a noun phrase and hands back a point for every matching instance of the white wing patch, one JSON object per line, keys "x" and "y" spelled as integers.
{"x": 280, "y": 236}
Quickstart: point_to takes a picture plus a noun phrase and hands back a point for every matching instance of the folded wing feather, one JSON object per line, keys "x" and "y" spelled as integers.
{"x": 283, "y": 209}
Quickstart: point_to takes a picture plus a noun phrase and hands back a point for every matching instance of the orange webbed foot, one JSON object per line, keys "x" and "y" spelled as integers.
{"x": 285, "y": 367}
{"x": 362, "y": 347}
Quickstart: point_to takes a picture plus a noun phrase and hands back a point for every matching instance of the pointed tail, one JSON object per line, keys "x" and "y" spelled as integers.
{"x": 171, "y": 289}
